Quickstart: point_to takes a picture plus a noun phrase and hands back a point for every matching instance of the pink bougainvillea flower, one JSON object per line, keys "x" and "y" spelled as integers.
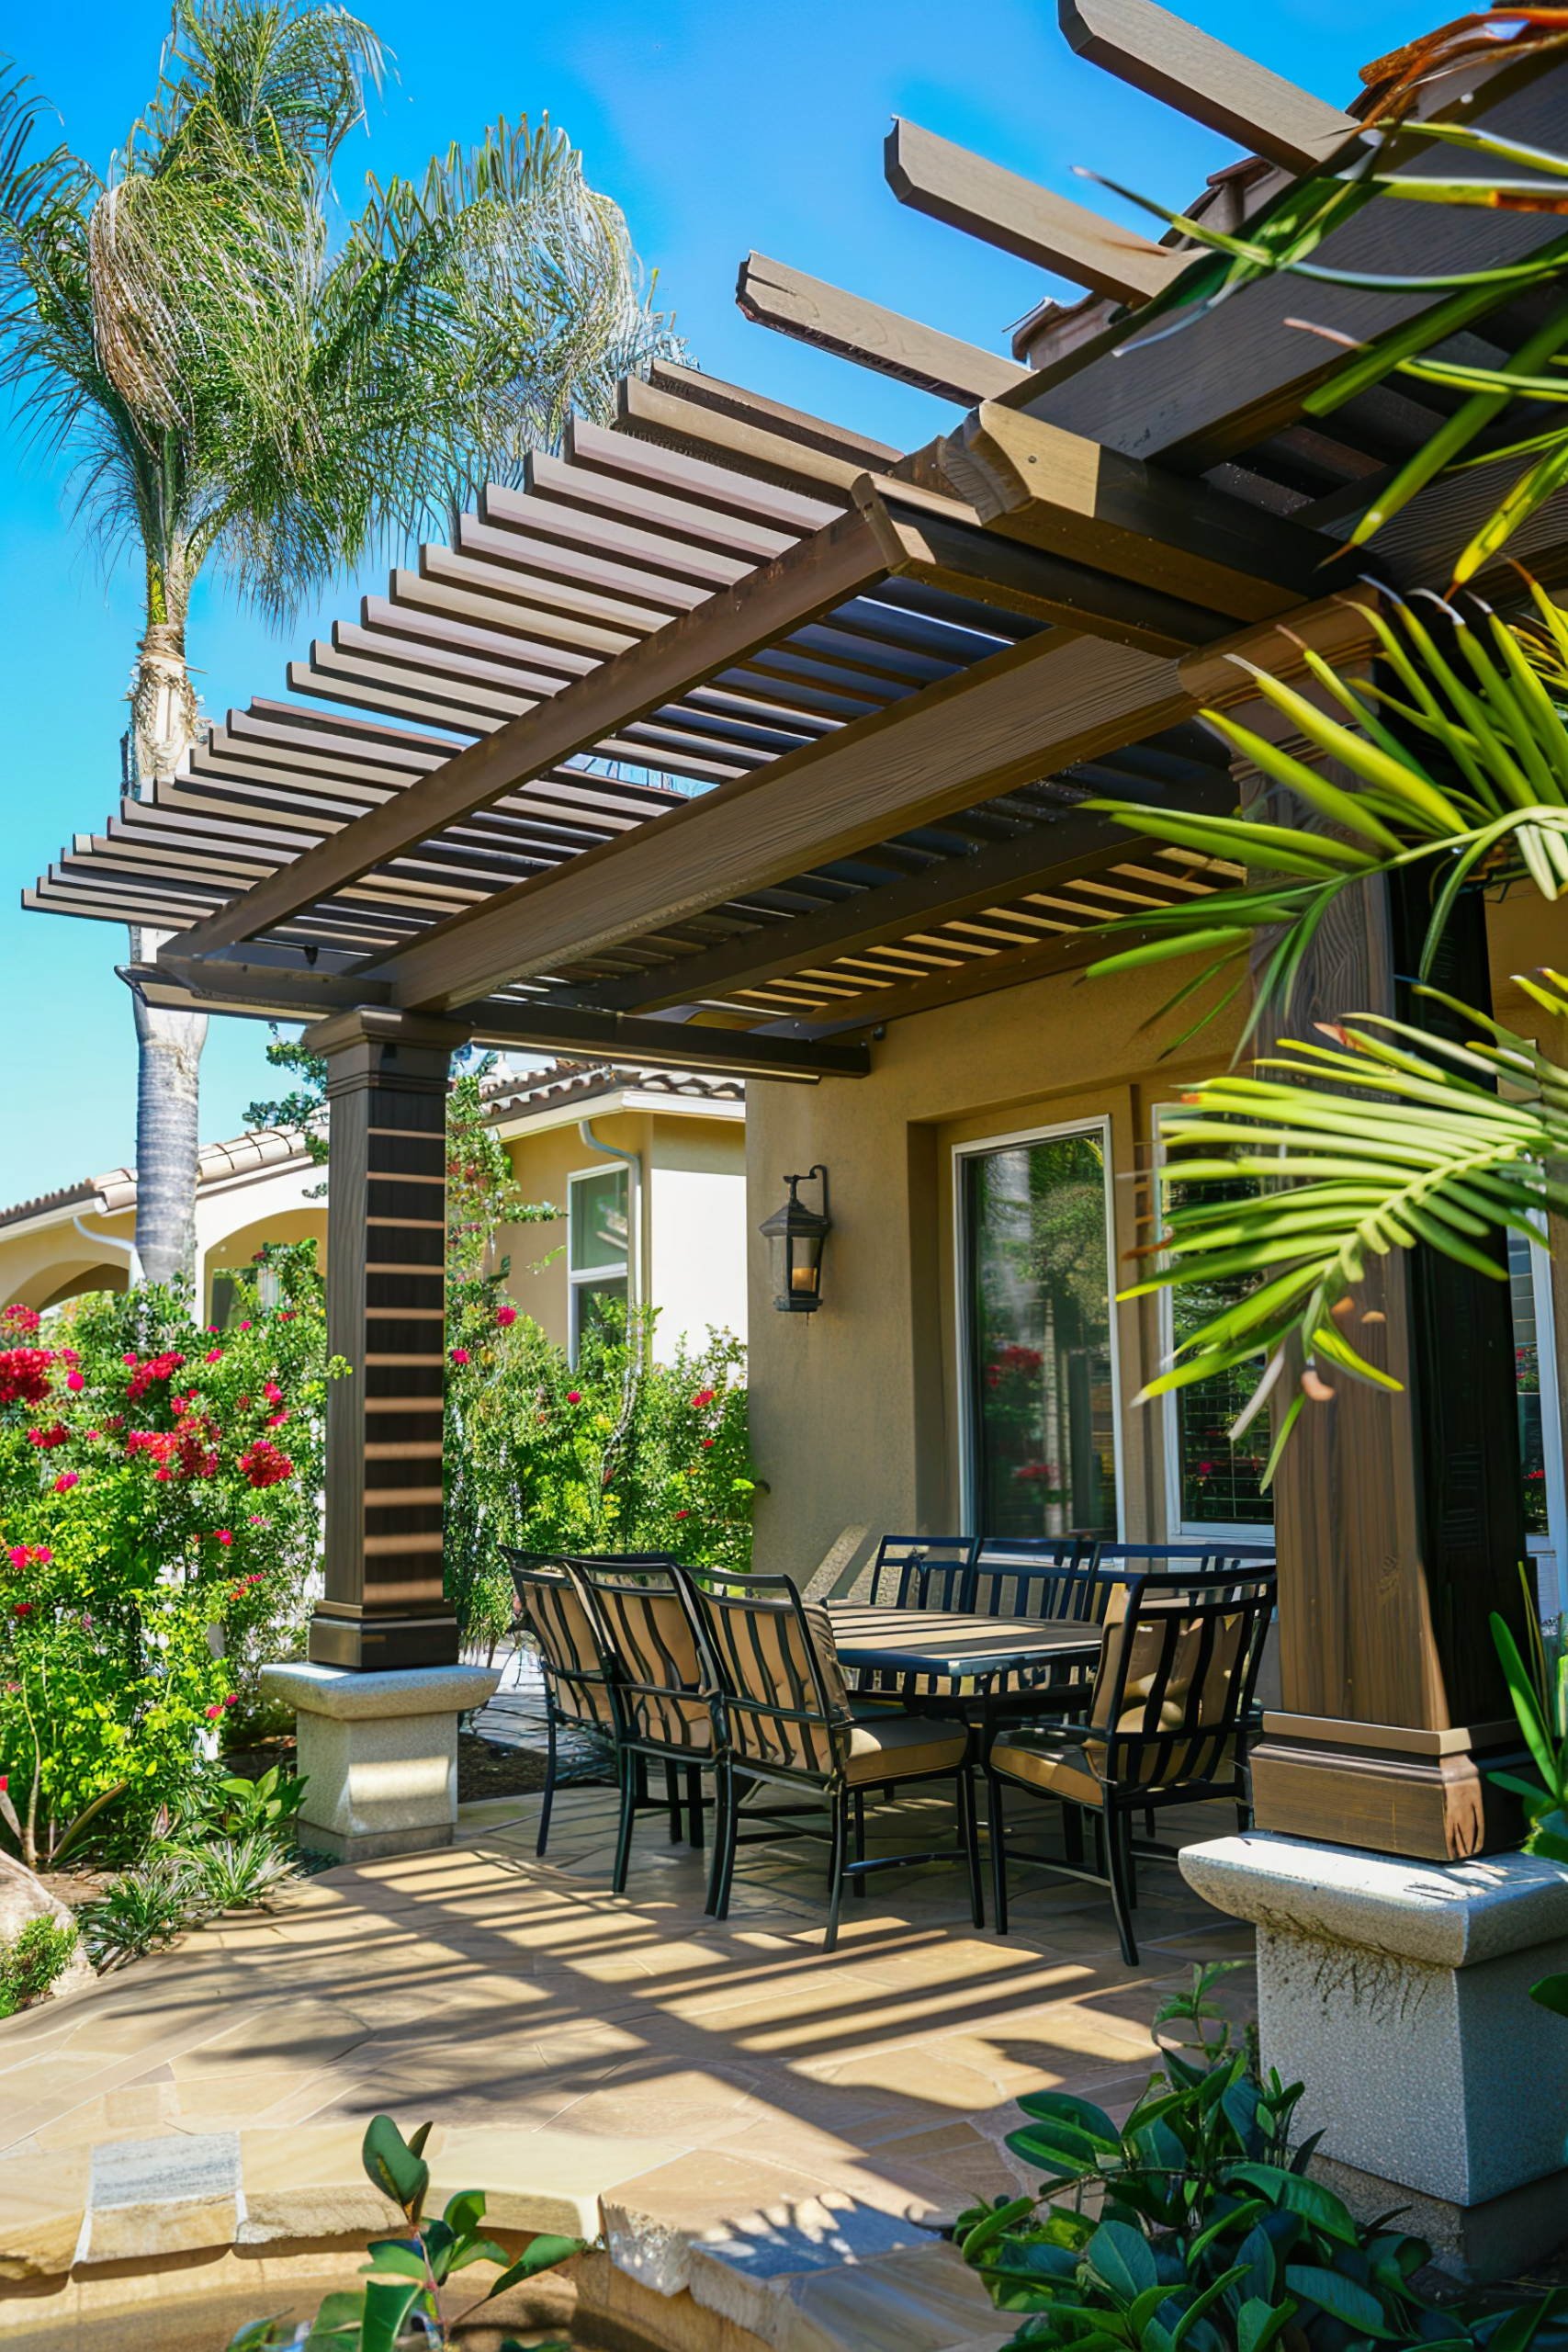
{"x": 213, "y": 1355}
{"x": 232, "y": 1700}
{"x": 682, "y": 1514}
{"x": 221, "y": 1535}
{"x": 22, "y": 1609}
{"x": 213, "y": 1714}
{"x": 47, "y": 1440}
{"x": 42, "y": 1554}
{"x": 245, "y": 1327}
{"x": 20, "y": 1318}
{"x": 127, "y": 1359}
{"x": 461, "y": 1355}
{"x": 275, "y": 1420}
{"x": 68, "y": 1355}
{"x": 272, "y": 1392}
{"x": 574, "y": 1396}
{"x": 74, "y": 1381}
{"x": 23, "y": 1375}
{"x": 94, "y": 1433}
{"x": 703, "y": 1396}
{"x": 66, "y": 1480}
{"x": 707, "y": 1442}
{"x": 506, "y": 1316}
{"x": 262, "y": 1465}
{"x": 257, "y": 1519}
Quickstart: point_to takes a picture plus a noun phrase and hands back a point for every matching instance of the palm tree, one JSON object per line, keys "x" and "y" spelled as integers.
{"x": 235, "y": 388}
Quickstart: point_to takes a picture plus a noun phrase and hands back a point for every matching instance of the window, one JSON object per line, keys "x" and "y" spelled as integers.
{"x": 1040, "y": 1371}
{"x": 1212, "y": 1485}
{"x": 1540, "y": 1426}
{"x": 597, "y": 1229}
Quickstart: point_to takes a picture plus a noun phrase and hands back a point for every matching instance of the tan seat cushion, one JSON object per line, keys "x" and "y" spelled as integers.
{"x": 1067, "y": 1767}
{"x": 897, "y": 1748}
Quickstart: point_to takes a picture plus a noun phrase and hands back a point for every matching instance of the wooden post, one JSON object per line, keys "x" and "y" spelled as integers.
{"x": 1399, "y": 1518}
{"x": 387, "y": 1078}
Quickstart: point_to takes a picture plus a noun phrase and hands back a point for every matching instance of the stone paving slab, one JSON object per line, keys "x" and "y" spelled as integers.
{"x": 745, "y": 2114}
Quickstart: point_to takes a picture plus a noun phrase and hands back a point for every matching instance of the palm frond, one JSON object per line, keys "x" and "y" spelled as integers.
{"x": 1383, "y": 1139}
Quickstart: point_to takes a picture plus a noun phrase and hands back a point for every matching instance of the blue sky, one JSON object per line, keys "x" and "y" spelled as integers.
{"x": 718, "y": 125}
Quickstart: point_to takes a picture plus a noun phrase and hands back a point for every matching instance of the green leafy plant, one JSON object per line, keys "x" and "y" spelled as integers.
{"x": 1538, "y": 1690}
{"x": 28, "y": 1967}
{"x": 1196, "y": 2223}
{"x": 227, "y": 1804}
{"x": 401, "y": 2303}
{"x": 235, "y": 1873}
{"x": 141, "y": 1910}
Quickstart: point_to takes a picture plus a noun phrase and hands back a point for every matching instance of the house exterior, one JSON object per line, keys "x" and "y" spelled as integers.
{"x": 652, "y": 1209}
{"x": 754, "y": 747}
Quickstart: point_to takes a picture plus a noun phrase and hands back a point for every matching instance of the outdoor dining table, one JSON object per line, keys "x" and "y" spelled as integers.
{"x": 977, "y": 1657}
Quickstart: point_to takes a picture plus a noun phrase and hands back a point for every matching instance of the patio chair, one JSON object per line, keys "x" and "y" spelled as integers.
{"x": 1167, "y": 1726}
{"x": 788, "y": 1724}
{"x": 661, "y": 1684}
{"x": 572, "y": 1659}
{"x": 922, "y": 1572}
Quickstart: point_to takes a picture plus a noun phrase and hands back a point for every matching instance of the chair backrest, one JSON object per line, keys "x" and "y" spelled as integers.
{"x": 662, "y": 1676}
{"x": 1047, "y": 1576}
{"x": 572, "y": 1647}
{"x": 922, "y": 1572}
{"x": 1177, "y": 1675}
{"x": 1213, "y": 1558}
{"x": 782, "y": 1689}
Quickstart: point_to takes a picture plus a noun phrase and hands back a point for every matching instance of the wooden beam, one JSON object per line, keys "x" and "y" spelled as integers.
{"x": 772, "y": 294}
{"x": 269, "y": 993}
{"x": 814, "y": 576}
{"x": 1024, "y": 713}
{"x": 746, "y": 436}
{"x": 1202, "y": 79}
{"x": 1000, "y": 208}
{"x": 1059, "y": 490}
{"x": 1052, "y": 849}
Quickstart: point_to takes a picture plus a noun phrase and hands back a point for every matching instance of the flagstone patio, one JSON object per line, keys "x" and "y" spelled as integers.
{"x": 737, "y": 2110}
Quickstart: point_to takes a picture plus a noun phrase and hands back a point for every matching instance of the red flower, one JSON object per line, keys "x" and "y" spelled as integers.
{"x": 707, "y": 1442}
{"x": 682, "y": 1514}
{"x": 74, "y": 1381}
{"x": 245, "y": 1327}
{"x": 66, "y": 1480}
{"x": 22, "y": 1609}
{"x": 703, "y": 1396}
{"x": 213, "y": 1714}
{"x": 221, "y": 1535}
{"x": 574, "y": 1396}
{"x": 213, "y": 1355}
{"x": 21, "y": 1318}
{"x": 461, "y": 1355}
{"x": 273, "y": 1393}
{"x": 275, "y": 1420}
{"x": 159, "y": 1443}
{"x": 506, "y": 1316}
{"x": 262, "y": 1465}
{"x": 23, "y": 1375}
{"x": 161, "y": 1367}
{"x": 47, "y": 1440}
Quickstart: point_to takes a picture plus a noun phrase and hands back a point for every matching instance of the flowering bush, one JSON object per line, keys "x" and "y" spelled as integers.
{"x": 621, "y": 1453}
{"x": 155, "y": 1537}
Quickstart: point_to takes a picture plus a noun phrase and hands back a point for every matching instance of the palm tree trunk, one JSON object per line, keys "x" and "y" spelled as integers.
{"x": 164, "y": 726}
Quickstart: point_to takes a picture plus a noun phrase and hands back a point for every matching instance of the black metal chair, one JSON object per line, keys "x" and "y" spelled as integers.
{"x": 922, "y": 1572}
{"x": 1167, "y": 1725}
{"x": 661, "y": 1685}
{"x": 787, "y": 1723}
{"x": 572, "y": 1660}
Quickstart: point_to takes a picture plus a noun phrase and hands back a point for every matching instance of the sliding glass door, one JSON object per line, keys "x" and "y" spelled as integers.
{"x": 1038, "y": 1341}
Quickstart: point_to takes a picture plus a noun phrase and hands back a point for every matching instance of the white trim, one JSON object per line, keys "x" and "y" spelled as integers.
{"x": 1176, "y": 1526}
{"x": 513, "y": 1125}
{"x": 1555, "y": 1540}
{"x": 578, "y": 1277}
{"x": 964, "y": 1320}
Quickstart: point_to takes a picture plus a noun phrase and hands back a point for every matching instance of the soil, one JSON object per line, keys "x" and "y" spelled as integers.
{"x": 486, "y": 1770}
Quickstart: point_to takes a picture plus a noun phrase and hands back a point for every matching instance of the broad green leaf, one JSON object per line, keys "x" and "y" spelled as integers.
{"x": 1260, "y": 2324}
{"x": 1120, "y": 2257}
{"x": 1063, "y": 2107}
{"x": 1313, "y": 2203}
{"x": 389, "y": 2256}
{"x": 464, "y": 2211}
{"x": 388, "y": 2303}
{"x": 1553, "y": 1993}
{"x": 1340, "y": 2297}
{"x": 544, "y": 2254}
{"x": 393, "y": 2164}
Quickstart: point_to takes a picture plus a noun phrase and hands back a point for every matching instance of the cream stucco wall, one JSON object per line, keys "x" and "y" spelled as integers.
{"x": 857, "y": 1409}
{"x": 691, "y": 1217}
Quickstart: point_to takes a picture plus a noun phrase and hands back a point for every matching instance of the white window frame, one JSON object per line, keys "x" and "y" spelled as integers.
{"x": 1176, "y": 1527}
{"x": 965, "y": 1320}
{"x": 1554, "y": 1543}
{"x": 578, "y": 1278}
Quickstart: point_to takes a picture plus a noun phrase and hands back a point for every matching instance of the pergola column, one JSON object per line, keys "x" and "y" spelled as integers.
{"x": 379, "y": 1701}
{"x": 1394, "y": 1964}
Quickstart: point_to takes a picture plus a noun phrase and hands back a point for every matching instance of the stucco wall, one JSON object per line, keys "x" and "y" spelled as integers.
{"x": 856, "y": 1410}
{"x": 693, "y": 1218}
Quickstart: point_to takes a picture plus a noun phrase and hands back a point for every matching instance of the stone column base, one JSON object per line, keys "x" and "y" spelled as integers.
{"x": 1398, "y": 1992}
{"x": 379, "y": 1752}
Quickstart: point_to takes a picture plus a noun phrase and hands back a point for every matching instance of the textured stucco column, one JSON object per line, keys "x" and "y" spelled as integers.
{"x": 379, "y": 1752}
{"x": 1398, "y": 1992}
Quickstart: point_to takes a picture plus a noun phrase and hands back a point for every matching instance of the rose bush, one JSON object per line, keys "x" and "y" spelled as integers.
{"x": 160, "y": 1517}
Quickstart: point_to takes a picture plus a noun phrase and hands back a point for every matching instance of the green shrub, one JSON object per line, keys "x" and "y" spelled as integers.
{"x": 1196, "y": 2225}
{"x": 41, "y": 1953}
{"x": 144, "y": 1909}
{"x": 232, "y": 1873}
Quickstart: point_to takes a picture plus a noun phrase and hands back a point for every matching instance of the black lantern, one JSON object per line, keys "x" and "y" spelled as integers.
{"x": 795, "y": 1236}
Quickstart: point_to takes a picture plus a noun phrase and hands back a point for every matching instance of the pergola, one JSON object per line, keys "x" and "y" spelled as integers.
{"x": 896, "y": 678}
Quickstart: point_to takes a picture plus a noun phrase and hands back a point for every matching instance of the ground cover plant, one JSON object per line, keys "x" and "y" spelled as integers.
{"x": 1196, "y": 2223}
{"x": 28, "y": 1967}
{"x": 401, "y": 2303}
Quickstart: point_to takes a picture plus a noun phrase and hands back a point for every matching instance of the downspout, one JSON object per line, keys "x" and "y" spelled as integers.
{"x": 111, "y": 1241}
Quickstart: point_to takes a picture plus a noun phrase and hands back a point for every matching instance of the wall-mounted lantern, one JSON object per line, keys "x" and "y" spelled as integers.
{"x": 794, "y": 1235}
